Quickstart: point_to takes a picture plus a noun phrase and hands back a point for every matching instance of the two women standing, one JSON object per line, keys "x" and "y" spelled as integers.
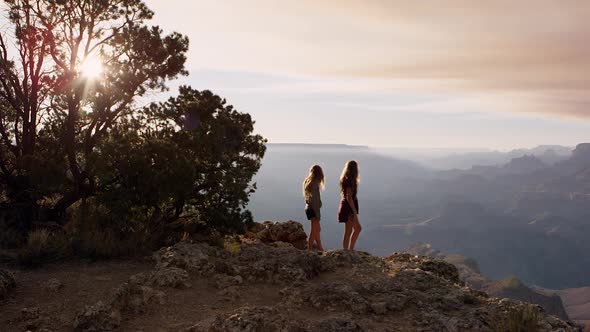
{"x": 347, "y": 212}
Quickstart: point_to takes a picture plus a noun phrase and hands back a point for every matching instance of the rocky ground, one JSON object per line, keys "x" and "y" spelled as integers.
{"x": 263, "y": 284}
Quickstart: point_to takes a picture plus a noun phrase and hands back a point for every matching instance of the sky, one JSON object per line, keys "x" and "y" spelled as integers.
{"x": 454, "y": 74}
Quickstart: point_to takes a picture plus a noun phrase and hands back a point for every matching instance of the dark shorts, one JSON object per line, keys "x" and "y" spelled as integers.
{"x": 344, "y": 210}
{"x": 310, "y": 213}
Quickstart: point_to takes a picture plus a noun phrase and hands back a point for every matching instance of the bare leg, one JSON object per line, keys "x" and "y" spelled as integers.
{"x": 311, "y": 236}
{"x": 316, "y": 223}
{"x": 347, "y": 232}
{"x": 356, "y": 227}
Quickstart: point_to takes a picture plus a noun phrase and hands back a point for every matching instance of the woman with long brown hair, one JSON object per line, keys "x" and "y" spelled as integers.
{"x": 349, "y": 205}
{"x": 313, "y": 203}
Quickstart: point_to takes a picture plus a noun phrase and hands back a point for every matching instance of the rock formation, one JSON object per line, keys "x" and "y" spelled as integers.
{"x": 273, "y": 286}
{"x": 290, "y": 232}
{"x": 332, "y": 291}
{"x": 511, "y": 288}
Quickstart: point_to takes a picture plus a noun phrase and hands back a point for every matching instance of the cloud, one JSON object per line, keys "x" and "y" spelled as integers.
{"x": 535, "y": 51}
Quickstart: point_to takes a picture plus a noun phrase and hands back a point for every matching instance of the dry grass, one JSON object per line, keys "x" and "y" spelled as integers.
{"x": 43, "y": 246}
{"x": 232, "y": 244}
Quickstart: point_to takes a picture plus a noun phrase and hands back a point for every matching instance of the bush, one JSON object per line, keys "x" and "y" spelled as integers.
{"x": 12, "y": 235}
{"x": 43, "y": 246}
{"x": 92, "y": 232}
{"x": 97, "y": 234}
{"x": 232, "y": 244}
{"x": 520, "y": 320}
{"x": 202, "y": 174}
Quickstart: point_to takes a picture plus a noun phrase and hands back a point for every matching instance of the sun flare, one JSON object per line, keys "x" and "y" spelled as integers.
{"x": 91, "y": 68}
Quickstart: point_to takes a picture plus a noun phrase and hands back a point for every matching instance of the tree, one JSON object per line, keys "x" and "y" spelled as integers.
{"x": 70, "y": 130}
{"x": 53, "y": 116}
{"x": 159, "y": 171}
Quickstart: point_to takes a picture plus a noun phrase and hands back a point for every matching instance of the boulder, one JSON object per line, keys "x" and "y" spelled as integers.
{"x": 346, "y": 258}
{"x": 276, "y": 265}
{"x": 53, "y": 285}
{"x": 335, "y": 297}
{"x": 7, "y": 283}
{"x": 98, "y": 317}
{"x": 250, "y": 319}
{"x": 162, "y": 277}
{"x": 360, "y": 297}
{"x": 275, "y": 231}
{"x": 184, "y": 255}
{"x": 133, "y": 298}
{"x": 33, "y": 319}
{"x": 254, "y": 319}
{"x": 440, "y": 268}
{"x": 334, "y": 325}
{"x": 130, "y": 298}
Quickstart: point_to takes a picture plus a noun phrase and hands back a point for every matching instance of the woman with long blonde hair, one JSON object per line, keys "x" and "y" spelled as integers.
{"x": 313, "y": 203}
{"x": 349, "y": 205}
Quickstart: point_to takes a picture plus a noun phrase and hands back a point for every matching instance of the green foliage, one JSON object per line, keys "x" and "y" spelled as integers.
{"x": 52, "y": 117}
{"x": 97, "y": 233}
{"x": 184, "y": 165}
{"x": 520, "y": 320}
{"x": 232, "y": 244}
{"x": 158, "y": 171}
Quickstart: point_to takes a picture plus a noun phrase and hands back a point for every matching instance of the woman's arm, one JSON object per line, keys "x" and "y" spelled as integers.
{"x": 351, "y": 201}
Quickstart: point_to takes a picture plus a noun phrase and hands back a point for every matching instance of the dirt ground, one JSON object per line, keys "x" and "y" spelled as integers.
{"x": 85, "y": 283}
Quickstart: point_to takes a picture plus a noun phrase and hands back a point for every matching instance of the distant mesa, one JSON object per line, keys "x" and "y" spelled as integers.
{"x": 579, "y": 160}
{"x": 317, "y": 146}
{"x": 527, "y": 163}
{"x": 582, "y": 149}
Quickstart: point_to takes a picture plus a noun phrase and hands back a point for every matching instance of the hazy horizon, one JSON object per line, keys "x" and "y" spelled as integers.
{"x": 392, "y": 73}
{"x": 447, "y": 148}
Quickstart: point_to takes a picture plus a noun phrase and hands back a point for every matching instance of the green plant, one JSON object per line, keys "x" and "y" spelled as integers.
{"x": 522, "y": 319}
{"x": 190, "y": 157}
{"x": 43, "y": 246}
{"x": 513, "y": 282}
{"x": 101, "y": 243}
{"x": 97, "y": 233}
{"x": 232, "y": 244}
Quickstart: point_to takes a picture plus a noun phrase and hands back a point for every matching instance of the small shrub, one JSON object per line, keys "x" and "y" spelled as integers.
{"x": 94, "y": 234}
{"x": 513, "y": 282}
{"x": 215, "y": 239}
{"x": 520, "y": 320}
{"x": 43, "y": 246}
{"x": 232, "y": 244}
{"x": 97, "y": 244}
